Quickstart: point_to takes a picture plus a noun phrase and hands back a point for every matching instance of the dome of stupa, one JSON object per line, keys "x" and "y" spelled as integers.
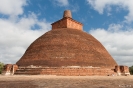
{"x": 67, "y": 45}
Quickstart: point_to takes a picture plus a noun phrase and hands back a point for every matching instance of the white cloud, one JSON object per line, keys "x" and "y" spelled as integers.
{"x": 117, "y": 39}
{"x": 12, "y": 7}
{"x": 101, "y": 5}
{"x": 17, "y": 33}
{"x": 15, "y": 37}
{"x": 62, "y": 2}
{"x": 115, "y": 27}
{"x": 118, "y": 43}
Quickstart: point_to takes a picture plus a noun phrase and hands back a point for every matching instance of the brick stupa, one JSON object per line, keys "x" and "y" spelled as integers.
{"x": 67, "y": 50}
{"x": 67, "y": 45}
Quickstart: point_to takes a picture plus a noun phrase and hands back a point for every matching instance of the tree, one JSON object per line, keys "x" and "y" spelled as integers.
{"x": 1, "y": 67}
{"x": 131, "y": 70}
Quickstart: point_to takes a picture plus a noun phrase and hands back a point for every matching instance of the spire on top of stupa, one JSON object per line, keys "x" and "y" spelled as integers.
{"x": 67, "y": 13}
{"x": 67, "y": 22}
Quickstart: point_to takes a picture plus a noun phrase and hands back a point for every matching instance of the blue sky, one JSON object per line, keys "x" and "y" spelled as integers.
{"x": 52, "y": 11}
{"x": 110, "y": 21}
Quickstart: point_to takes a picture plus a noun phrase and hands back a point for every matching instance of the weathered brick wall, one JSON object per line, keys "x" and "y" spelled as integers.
{"x": 77, "y": 71}
{"x": 67, "y": 71}
{"x": 15, "y": 67}
{"x": 122, "y": 70}
{"x": 67, "y": 47}
{"x": 9, "y": 69}
{"x": 60, "y": 24}
{"x": 67, "y": 23}
{"x": 73, "y": 24}
{"x": 73, "y": 71}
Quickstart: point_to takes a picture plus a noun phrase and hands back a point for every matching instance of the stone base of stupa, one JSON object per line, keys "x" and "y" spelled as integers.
{"x": 65, "y": 71}
{"x": 70, "y": 71}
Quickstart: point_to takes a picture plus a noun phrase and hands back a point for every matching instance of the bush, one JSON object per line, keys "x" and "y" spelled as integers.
{"x": 1, "y": 67}
{"x": 131, "y": 70}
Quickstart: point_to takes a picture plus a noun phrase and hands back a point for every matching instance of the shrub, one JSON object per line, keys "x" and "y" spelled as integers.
{"x": 1, "y": 67}
{"x": 131, "y": 70}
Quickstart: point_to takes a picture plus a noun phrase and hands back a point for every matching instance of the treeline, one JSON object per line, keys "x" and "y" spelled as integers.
{"x": 1, "y": 67}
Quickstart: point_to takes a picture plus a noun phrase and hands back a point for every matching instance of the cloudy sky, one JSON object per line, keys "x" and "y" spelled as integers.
{"x": 110, "y": 21}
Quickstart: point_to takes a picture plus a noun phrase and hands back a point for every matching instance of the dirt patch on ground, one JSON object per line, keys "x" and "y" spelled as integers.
{"x": 43, "y": 81}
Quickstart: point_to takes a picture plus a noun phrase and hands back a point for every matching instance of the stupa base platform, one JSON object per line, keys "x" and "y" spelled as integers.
{"x": 65, "y": 71}
{"x": 10, "y": 69}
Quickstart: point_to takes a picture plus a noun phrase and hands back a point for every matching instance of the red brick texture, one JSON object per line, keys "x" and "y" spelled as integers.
{"x": 67, "y": 23}
{"x": 66, "y": 71}
{"x": 9, "y": 69}
{"x": 67, "y": 47}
